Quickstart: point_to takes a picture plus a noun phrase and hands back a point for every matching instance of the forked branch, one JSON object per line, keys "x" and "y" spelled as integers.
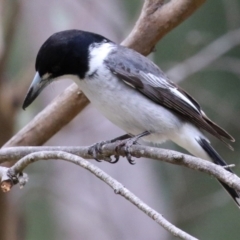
{"x": 28, "y": 155}
{"x": 15, "y": 172}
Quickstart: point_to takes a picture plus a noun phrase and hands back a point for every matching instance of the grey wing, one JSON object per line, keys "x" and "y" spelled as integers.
{"x": 143, "y": 75}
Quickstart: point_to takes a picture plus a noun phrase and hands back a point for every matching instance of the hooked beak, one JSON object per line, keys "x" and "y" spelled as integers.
{"x": 36, "y": 87}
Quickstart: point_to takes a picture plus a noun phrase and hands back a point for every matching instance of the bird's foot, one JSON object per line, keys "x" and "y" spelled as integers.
{"x": 96, "y": 149}
{"x": 127, "y": 147}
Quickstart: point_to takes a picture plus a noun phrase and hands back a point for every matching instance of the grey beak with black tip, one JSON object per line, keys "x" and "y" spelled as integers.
{"x": 36, "y": 87}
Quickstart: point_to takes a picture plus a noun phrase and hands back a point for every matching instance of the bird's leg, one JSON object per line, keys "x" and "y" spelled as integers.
{"x": 120, "y": 138}
{"x": 96, "y": 148}
{"x": 127, "y": 144}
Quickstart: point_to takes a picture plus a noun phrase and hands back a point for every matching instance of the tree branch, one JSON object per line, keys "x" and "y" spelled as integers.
{"x": 169, "y": 156}
{"x": 206, "y": 56}
{"x": 156, "y": 20}
{"x": 118, "y": 188}
{"x": 56, "y": 115}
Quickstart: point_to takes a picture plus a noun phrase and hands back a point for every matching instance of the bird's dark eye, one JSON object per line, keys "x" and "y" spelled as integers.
{"x": 55, "y": 69}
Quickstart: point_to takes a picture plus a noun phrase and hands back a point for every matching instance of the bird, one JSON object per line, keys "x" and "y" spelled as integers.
{"x": 129, "y": 90}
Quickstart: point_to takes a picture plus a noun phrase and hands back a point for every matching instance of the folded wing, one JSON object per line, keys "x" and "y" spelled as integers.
{"x": 143, "y": 75}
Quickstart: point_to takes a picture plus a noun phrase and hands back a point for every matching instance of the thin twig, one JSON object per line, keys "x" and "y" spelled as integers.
{"x": 206, "y": 56}
{"x": 56, "y": 115}
{"x": 115, "y": 185}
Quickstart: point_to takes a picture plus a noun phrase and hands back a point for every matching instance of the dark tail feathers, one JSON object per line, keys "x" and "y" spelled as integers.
{"x": 216, "y": 158}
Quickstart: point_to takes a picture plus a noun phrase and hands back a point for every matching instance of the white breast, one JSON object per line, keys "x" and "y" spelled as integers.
{"x": 121, "y": 104}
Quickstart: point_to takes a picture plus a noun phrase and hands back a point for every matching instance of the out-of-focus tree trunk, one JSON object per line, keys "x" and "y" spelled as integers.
{"x": 9, "y": 103}
{"x": 7, "y": 220}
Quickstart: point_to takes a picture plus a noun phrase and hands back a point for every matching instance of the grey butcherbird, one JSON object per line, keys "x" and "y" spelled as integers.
{"x": 130, "y": 90}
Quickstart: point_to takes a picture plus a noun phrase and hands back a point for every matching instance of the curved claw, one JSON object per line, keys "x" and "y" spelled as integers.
{"x": 95, "y": 149}
{"x": 97, "y": 160}
{"x": 127, "y": 145}
{"x": 127, "y": 151}
{"x": 116, "y": 159}
{"x": 131, "y": 161}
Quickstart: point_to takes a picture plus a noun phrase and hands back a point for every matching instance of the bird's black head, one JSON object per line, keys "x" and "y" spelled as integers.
{"x": 63, "y": 53}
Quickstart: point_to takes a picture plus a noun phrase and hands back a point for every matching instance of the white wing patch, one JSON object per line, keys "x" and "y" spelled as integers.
{"x": 185, "y": 99}
{"x": 155, "y": 81}
{"x": 128, "y": 83}
{"x": 163, "y": 83}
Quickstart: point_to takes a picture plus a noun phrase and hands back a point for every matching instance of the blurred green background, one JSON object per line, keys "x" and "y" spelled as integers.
{"x": 62, "y": 202}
